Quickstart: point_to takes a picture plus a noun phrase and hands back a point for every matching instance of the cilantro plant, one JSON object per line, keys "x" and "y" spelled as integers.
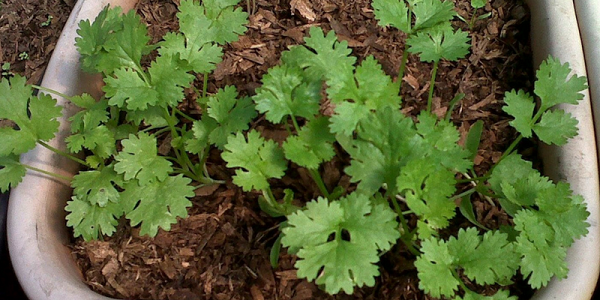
{"x": 409, "y": 173}
{"x": 124, "y": 173}
{"x": 476, "y": 5}
{"x": 407, "y": 170}
{"x": 429, "y": 32}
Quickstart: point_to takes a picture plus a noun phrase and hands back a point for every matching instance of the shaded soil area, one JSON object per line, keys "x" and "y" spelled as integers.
{"x": 222, "y": 250}
{"x": 29, "y": 30}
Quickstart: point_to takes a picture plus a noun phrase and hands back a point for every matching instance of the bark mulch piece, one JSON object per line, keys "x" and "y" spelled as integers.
{"x": 222, "y": 250}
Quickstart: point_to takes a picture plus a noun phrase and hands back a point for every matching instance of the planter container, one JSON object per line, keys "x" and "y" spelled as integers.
{"x": 36, "y": 226}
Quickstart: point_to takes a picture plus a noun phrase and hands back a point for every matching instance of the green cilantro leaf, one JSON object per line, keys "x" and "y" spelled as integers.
{"x": 330, "y": 60}
{"x": 34, "y": 116}
{"x": 158, "y": 203}
{"x": 520, "y": 105}
{"x": 194, "y": 24}
{"x": 112, "y": 41}
{"x": 230, "y": 113}
{"x": 478, "y": 3}
{"x": 228, "y": 23}
{"x": 286, "y": 92}
{"x": 382, "y": 147}
{"x": 89, "y": 220}
{"x": 345, "y": 261}
{"x": 201, "y": 58}
{"x": 485, "y": 259}
{"x": 261, "y": 160}
{"x": 153, "y": 116}
{"x": 139, "y": 159}
{"x": 427, "y": 188}
{"x": 169, "y": 80}
{"x": 374, "y": 90}
{"x": 429, "y": 13}
{"x": 510, "y": 178}
{"x": 201, "y": 131}
{"x": 541, "y": 258}
{"x": 128, "y": 90}
{"x": 312, "y": 146}
{"x": 554, "y": 86}
{"x": 347, "y": 117}
{"x": 11, "y": 172}
{"x": 556, "y": 127}
{"x": 93, "y": 113}
{"x": 435, "y": 267}
{"x": 128, "y": 44}
{"x": 214, "y": 20}
{"x": 93, "y": 36}
{"x": 525, "y": 190}
{"x": 437, "y": 44}
{"x": 508, "y": 171}
{"x": 439, "y": 143}
{"x": 100, "y": 140}
{"x": 97, "y": 187}
{"x": 565, "y": 213}
{"x": 394, "y": 13}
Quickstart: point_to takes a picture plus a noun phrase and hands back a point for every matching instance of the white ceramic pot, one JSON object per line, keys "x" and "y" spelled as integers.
{"x": 554, "y": 31}
{"x": 36, "y": 226}
{"x": 37, "y": 234}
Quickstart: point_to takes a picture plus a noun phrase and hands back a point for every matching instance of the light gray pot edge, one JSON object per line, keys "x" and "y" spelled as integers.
{"x": 555, "y": 31}
{"x": 36, "y": 227}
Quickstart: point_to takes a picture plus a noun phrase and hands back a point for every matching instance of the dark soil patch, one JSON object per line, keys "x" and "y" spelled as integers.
{"x": 222, "y": 250}
{"x": 29, "y": 30}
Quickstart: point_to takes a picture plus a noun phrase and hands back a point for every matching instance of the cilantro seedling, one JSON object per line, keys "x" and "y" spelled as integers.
{"x": 6, "y": 70}
{"x": 23, "y": 55}
{"x": 430, "y": 35}
{"x": 476, "y": 5}
{"x": 47, "y": 22}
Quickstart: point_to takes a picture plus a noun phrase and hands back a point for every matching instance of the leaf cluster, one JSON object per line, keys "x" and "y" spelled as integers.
{"x": 394, "y": 157}
{"x": 125, "y": 175}
{"x": 331, "y": 105}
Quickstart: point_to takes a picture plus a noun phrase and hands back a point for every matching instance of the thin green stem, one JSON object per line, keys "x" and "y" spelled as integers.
{"x": 295, "y": 123}
{"x": 174, "y": 134}
{"x": 463, "y": 194}
{"x": 63, "y": 153}
{"x": 268, "y": 194}
{"x": 141, "y": 72}
{"x": 510, "y": 148}
{"x": 472, "y": 22}
{"x": 402, "y": 67}
{"x": 205, "y": 85}
{"x": 319, "y": 181}
{"x": 186, "y": 116}
{"x": 460, "y": 282}
{"x": 431, "y": 85}
{"x": 61, "y": 177}
{"x": 51, "y": 91}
